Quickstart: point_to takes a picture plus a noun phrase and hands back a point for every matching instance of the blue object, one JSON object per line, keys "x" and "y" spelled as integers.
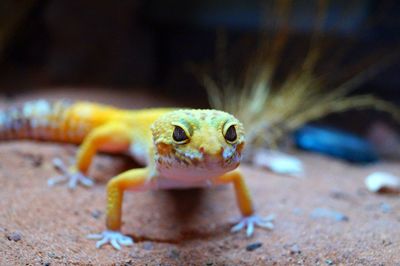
{"x": 335, "y": 143}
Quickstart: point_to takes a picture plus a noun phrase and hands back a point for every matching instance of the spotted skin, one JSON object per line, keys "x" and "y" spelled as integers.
{"x": 61, "y": 121}
{"x": 40, "y": 120}
{"x": 206, "y": 149}
{"x": 204, "y": 157}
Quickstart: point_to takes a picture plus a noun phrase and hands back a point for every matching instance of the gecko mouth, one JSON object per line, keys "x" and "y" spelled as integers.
{"x": 210, "y": 166}
{"x": 204, "y": 160}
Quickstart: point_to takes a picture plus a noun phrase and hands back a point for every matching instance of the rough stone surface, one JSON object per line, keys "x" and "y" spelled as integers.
{"x": 192, "y": 226}
{"x": 14, "y": 236}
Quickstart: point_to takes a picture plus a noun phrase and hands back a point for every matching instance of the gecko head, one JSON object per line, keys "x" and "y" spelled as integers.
{"x": 197, "y": 144}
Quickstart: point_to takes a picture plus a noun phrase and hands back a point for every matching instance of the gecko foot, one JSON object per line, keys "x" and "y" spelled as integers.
{"x": 249, "y": 222}
{"x": 115, "y": 238}
{"x": 69, "y": 175}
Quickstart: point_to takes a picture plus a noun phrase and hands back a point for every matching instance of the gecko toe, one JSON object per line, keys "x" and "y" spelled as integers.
{"x": 56, "y": 180}
{"x": 115, "y": 244}
{"x": 250, "y": 222}
{"x": 238, "y": 227}
{"x": 87, "y": 182}
{"x": 94, "y": 236}
{"x": 71, "y": 176}
{"x": 250, "y": 229}
{"x": 114, "y": 238}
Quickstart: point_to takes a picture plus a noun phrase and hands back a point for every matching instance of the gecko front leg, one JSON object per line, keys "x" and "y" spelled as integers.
{"x": 132, "y": 179}
{"x": 243, "y": 198}
{"x": 112, "y": 135}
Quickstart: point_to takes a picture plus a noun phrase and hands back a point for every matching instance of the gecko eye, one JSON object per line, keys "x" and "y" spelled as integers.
{"x": 230, "y": 134}
{"x": 179, "y": 135}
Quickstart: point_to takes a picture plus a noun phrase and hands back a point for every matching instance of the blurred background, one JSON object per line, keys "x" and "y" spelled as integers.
{"x": 153, "y": 45}
{"x": 132, "y": 43}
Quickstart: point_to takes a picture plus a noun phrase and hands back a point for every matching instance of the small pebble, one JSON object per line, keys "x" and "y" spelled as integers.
{"x": 381, "y": 182}
{"x": 278, "y": 162}
{"x": 331, "y": 214}
{"x": 173, "y": 254}
{"x": 293, "y": 249}
{"x": 14, "y": 236}
{"x": 386, "y": 242}
{"x": 46, "y": 264}
{"x": 253, "y": 246}
{"x": 385, "y": 208}
{"x": 128, "y": 263}
{"x": 336, "y": 194}
{"x": 96, "y": 214}
{"x": 37, "y": 161}
{"x": 148, "y": 245}
{"x": 329, "y": 262}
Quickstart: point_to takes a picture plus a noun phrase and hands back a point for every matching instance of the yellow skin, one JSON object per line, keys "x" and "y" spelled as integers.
{"x": 207, "y": 155}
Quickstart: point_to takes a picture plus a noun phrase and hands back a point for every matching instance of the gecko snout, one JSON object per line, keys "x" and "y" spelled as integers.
{"x": 211, "y": 152}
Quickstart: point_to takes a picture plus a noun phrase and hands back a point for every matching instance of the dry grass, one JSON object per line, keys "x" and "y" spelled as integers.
{"x": 270, "y": 111}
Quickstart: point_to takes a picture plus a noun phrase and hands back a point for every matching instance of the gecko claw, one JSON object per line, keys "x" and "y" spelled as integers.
{"x": 249, "y": 222}
{"x": 69, "y": 175}
{"x": 115, "y": 238}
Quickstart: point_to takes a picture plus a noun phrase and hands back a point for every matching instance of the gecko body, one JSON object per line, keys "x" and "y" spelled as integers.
{"x": 179, "y": 148}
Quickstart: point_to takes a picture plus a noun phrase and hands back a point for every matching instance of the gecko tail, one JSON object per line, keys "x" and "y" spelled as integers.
{"x": 38, "y": 119}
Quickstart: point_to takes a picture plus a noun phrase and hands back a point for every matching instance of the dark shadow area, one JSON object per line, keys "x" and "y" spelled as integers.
{"x": 150, "y": 44}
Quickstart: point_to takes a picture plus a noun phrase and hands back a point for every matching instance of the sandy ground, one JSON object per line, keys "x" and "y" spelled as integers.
{"x": 47, "y": 226}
